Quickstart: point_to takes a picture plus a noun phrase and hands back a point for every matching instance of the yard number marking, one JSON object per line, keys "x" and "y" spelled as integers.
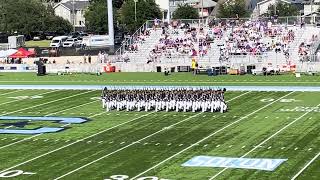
{"x": 26, "y": 97}
{"x": 14, "y": 173}
{"x": 282, "y": 100}
{"x": 267, "y": 100}
{"x": 123, "y": 177}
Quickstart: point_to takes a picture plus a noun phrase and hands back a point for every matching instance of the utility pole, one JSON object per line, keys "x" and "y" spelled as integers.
{"x": 275, "y": 7}
{"x": 73, "y": 17}
{"x": 202, "y": 11}
{"x": 110, "y": 24}
{"x": 135, "y": 10}
{"x": 5, "y": 23}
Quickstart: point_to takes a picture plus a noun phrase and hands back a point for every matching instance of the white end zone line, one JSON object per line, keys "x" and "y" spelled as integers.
{"x": 266, "y": 140}
{"x": 48, "y": 92}
{"x": 209, "y": 136}
{"x": 16, "y": 142}
{"x": 305, "y": 167}
{"x": 83, "y": 139}
{"x": 163, "y": 129}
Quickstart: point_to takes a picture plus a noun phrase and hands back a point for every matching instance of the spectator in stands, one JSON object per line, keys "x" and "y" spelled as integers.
{"x": 125, "y": 57}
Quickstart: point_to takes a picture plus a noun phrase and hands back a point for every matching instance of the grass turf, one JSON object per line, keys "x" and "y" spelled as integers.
{"x": 43, "y": 43}
{"x": 142, "y": 140}
{"x": 157, "y": 79}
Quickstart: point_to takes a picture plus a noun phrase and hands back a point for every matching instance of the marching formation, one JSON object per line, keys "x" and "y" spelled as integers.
{"x": 182, "y": 99}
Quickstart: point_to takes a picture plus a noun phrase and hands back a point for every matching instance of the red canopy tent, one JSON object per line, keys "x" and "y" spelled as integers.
{"x": 22, "y": 53}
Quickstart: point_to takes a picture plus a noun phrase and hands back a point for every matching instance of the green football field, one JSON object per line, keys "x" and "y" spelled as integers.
{"x": 154, "y": 78}
{"x": 154, "y": 145}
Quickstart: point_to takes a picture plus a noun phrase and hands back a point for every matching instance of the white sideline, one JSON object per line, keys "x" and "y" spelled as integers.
{"x": 22, "y": 99}
{"x": 276, "y": 133}
{"x": 305, "y": 167}
{"x": 138, "y": 141}
{"x": 83, "y": 139}
{"x": 16, "y": 142}
{"x": 209, "y": 136}
{"x": 11, "y": 92}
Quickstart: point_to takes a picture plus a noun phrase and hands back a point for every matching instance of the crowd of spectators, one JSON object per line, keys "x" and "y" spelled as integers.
{"x": 181, "y": 39}
{"x": 305, "y": 48}
{"x": 241, "y": 38}
{"x": 257, "y": 38}
{"x": 233, "y": 38}
{"x": 137, "y": 40}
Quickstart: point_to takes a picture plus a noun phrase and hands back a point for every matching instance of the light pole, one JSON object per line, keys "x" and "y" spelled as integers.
{"x": 73, "y": 16}
{"x": 5, "y": 23}
{"x": 135, "y": 10}
{"x": 202, "y": 10}
{"x": 110, "y": 24}
{"x": 275, "y": 7}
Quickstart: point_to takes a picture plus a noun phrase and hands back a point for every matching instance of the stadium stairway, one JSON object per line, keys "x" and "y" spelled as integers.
{"x": 145, "y": 47}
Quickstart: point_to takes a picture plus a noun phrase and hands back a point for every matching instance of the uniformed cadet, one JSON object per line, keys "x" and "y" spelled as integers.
{"x": 181, "y": 99}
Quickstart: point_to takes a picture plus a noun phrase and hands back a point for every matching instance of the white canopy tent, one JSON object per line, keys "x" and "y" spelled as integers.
{"x": 7, "y": 53}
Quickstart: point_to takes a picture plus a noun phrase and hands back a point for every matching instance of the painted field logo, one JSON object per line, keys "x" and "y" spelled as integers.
{"x": 244, "y": 163}
{"x": 22, "y": 121}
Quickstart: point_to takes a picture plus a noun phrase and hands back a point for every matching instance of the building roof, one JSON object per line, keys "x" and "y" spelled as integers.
{"x": 75, "y": 4}
{"x": 206, "y": 3}
{"x": 285, "y": 1}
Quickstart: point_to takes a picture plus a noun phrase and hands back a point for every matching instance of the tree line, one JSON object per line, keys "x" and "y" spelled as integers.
{"x": 28, "y": 16}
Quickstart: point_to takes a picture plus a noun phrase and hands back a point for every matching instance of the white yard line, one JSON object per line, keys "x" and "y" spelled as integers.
{"x": 83, "y": 139}
{"x": 72, "y": 108}
{"x": 209, "y": 136}
{"x": 131, "y": 144}
{"x": 23, "y": 99}
{"x": 46, "y": 103}
{"x": 305, "y": 167}
{"x": 11, "y": 92}
{"x": 22, "y": 140}
{"x": 266, "y": 140}
{"x": 170, "y": 82}
{"x": 8, "y": 127}
{"x": 16, "y": 142}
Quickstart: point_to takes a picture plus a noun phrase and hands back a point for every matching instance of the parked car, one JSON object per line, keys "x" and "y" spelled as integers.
{"x": 74, "y": 35}
{"x": 71, "y": 42}
{"x": 58, "y": 41}
{"x": 49, "y": 35}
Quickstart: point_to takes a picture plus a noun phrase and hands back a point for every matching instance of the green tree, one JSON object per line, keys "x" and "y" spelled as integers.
{"x": 282, "y": 9}
{"x": 146, "y": 10}
{"x": 233, "y": 9}
{"x": 51, "y": 25}
{"x": 96, "y": 16}
{"x": 117, "y": 3}
{"x": 25, "y": 17}
{"x": 185, "y": 12}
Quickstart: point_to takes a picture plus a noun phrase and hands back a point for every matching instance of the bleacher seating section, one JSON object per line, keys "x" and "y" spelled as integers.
{"x": 243, "y": 42}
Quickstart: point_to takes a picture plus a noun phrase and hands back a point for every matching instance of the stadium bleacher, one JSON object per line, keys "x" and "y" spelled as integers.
{"x": 229, "y": 42}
